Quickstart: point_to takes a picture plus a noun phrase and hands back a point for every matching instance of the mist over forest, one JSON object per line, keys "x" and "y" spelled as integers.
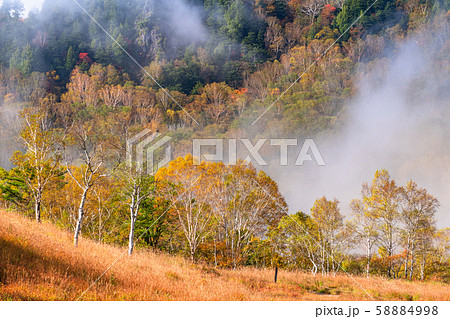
{"x": 398, "y": 120}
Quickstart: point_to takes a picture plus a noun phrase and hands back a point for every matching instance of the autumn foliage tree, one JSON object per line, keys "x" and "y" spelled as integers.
{"x": 40, "y": 163}
{"x": 329, "y": 221}
{"x": 234, "y": 203}
{"x": 189, "y": 197}
{"x": 217, "y": 100}
{"x": 245, "y": 204}
{"x": 399, "y": 220}
{"x": 365, "y": 229}
{"x": 382, "y": 196}
{"x": 90, "y": 148}
{"x": 140, "y": 188}
{"x": 418, "y": 216}
{"x": 296, "y": 239}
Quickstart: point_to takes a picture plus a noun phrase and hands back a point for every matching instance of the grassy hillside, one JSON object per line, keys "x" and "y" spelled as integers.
{"x": 38, "y": 262}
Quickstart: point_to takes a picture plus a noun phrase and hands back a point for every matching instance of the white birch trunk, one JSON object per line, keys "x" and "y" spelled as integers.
{"x": 37, "y": 206}
{"x": 131, "y": 237}
{"x": 80, "y": 217}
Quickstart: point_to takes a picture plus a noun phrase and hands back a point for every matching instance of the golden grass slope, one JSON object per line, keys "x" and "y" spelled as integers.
{"x": 38, "y": 262}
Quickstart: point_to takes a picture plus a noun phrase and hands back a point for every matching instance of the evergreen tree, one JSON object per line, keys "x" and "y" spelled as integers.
{"x": 22, "y": 60}
{"x": 71, "y": 59}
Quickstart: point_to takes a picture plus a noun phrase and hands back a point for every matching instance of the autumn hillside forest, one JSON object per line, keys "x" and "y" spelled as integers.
{"x": 365, "y": 85}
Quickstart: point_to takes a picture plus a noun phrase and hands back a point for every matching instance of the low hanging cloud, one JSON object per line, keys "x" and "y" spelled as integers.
{"x": 185, "y": 19}
{"x": 399, "y": 121}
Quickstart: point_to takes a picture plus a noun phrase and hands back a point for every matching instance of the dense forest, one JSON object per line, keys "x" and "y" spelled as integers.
{"x": 77, "y": 81}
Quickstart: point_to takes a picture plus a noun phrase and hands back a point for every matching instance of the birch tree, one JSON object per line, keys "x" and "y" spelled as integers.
{"x": 382, "y": 197}
{"x": 246, "y": 205}
{"x": 329, "y": 221}
{"x": 217, "y": 97}
{"x": 140, "y": 187}
{"x": 295, "y": 240}
{"x": 89, "y": 148}
{"x": 188, "y": 196}
{"x": 40, "y": 163}
{"x": 441, "y": 243}
{"x": 365, "y": 229}
{"x": 418, "y": 216}
{"x": 312, "y": 8}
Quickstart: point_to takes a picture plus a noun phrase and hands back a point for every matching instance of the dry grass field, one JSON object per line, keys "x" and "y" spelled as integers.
{"x": 38, "y": 262}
